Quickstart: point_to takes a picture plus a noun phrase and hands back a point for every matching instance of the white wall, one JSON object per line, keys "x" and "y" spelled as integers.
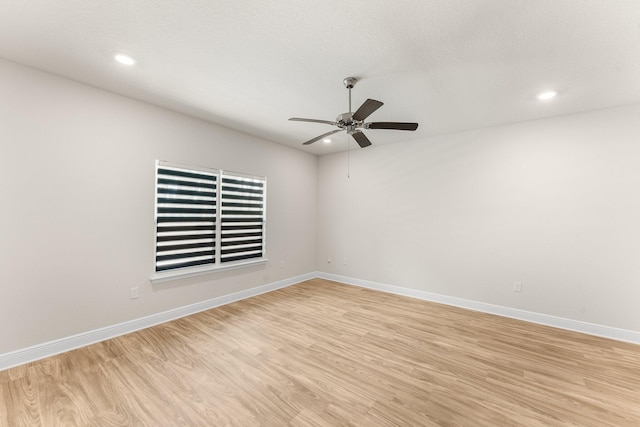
{"x": 552, "y": 203}
{"x": 76, "y": 213}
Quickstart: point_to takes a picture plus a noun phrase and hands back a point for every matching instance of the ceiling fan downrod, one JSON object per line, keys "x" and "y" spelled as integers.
{"x": 349, "y": 83}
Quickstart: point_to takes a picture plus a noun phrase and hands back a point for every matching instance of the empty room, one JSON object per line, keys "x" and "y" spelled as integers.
{"x": 319, "y": 213}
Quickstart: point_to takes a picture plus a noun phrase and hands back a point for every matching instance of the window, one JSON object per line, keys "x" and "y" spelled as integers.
{"x": 207, "y": 219}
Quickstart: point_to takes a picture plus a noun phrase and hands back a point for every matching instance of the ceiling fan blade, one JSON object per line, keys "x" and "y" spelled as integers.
{"x": 366, "y": 109}
{"x": 299, "y": 119}
{"x": 391, "y": 125}
{"x": 361, "y": 139}
{"x": 324, "y": 135}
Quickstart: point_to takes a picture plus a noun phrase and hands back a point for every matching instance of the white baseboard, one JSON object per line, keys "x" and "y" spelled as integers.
{"x": 528, "y": 316}
{"x": 51, "y": 348}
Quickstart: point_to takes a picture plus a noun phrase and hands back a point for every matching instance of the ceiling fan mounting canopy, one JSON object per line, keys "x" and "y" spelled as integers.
{"x": 352, "y": 123}
{"x": 350, "y": 82}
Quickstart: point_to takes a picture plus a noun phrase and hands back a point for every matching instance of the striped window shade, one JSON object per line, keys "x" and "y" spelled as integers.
{"x": 242, "y": 217}
{"x": 206, "y": 217}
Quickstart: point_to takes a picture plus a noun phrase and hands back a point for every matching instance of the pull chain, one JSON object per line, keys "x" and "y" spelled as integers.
{"x": 348, "y": 157}
{"x": 349, "y": 145}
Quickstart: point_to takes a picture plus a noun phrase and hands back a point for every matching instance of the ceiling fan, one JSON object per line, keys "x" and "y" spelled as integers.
{"x": 353, "y": 123}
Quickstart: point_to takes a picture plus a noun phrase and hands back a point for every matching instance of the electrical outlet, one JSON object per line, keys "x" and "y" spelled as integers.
{"x": 517, "y": 286}
{"x": 329, "y": 260}
{"x": 134, "y": 293}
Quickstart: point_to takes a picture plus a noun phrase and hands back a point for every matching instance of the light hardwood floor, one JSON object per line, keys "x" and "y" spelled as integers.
{"x": 325, "y": 354}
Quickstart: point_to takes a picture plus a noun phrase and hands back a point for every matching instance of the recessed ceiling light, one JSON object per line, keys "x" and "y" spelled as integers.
{"x": 124, "y": 59}
{"x": 326, "y": 140}
{"x": 546, "y": 95}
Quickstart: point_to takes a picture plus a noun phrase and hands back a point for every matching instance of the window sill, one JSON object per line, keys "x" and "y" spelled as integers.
{"x": 199, "y": 271}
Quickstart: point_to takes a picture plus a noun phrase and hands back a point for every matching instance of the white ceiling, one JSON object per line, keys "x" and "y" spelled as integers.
{"x": 450, "y": 65}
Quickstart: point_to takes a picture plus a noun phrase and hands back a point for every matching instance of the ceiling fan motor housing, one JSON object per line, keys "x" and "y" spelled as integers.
{"x": 345, "y": 121}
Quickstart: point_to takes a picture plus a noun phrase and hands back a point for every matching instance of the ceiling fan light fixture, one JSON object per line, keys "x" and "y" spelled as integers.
{"x": 327, "y": 140}
{"x": 546, "y": 95}
{"x": 124, "y": 59}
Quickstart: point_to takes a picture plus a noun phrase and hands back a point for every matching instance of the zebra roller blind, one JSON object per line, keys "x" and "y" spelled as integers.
{"x": 207, "y": 218}
{"x": 242, "y": 218}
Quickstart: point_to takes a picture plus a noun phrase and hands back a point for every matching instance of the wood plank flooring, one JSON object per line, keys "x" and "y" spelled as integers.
{"x": 324, "y": 354}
